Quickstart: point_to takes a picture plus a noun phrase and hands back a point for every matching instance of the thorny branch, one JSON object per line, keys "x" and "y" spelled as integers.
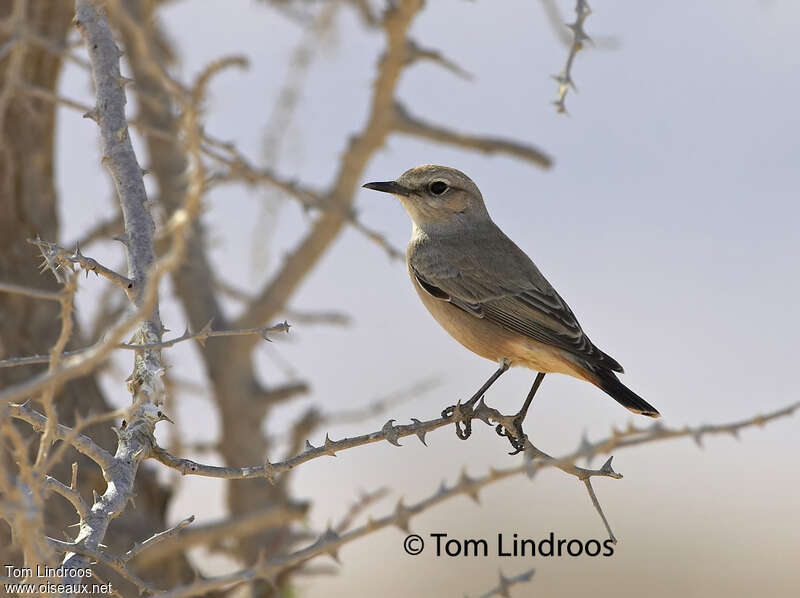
{"x": 331, "y": 541}
{"x": 501, "y": 589}
{"x": 579, "y": 37}
{"x": 201, "y": 337}
{"x": 393, "y": 433}
{"x": 55, "y": 259}
{"x": 146, "y": 385}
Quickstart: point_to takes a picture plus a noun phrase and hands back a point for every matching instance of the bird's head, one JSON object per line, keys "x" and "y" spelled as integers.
{"x": 436, "y": 196}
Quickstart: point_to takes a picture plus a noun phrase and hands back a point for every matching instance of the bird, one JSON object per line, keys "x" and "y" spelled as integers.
{"x": 489, "y": 295}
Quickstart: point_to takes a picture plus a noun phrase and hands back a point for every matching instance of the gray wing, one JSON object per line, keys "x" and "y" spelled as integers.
{"x": 490, "y": 277}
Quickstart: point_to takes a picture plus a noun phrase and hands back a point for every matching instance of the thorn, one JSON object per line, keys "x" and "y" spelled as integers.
{"x": 420, "y": 432}
{"x": 122, "y": 238}
{"x": 402, "y": 516}
{"x": 464, "y": 481}
{"x": 329, "y": 446}
{"x": 482, "y": 411}
{"x": 390, "y": 432}
{"x": 585, "y": 446}
{"x": 93, "y": 115}
{"x": 309, "y": 446}
{"x": 269, "y": 472}
{"x": 504, "y": 585}
{"x": 330, "y": 537}
{"x": 606, "y": 469}
{"x": 163, "y": 417}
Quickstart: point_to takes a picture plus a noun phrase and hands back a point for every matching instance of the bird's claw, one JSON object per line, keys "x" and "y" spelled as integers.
{"x": 517, "y": 438}
{"x": 464, "y": 420}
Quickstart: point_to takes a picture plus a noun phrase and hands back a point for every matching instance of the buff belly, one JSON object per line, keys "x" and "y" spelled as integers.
{"x": 495, "y": 343}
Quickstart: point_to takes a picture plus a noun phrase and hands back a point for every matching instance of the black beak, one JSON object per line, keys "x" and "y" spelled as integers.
{"x": 387, "y": 187}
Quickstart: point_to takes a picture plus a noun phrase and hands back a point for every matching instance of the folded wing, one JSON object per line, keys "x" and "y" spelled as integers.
{"x": 502, "y": 285}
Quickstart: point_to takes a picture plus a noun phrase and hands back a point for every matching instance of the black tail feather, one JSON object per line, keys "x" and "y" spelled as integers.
{"x": 610, "y": 384}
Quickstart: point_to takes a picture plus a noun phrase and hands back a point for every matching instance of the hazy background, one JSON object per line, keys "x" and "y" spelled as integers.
{"x": 669, "y": 223}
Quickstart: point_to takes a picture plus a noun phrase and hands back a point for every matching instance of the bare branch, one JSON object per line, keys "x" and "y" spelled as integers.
{"x": 157, "y": 539}
{"x": 104, "y": 229}
{"x": 564, "y": 79}
{"x": 55, "y": 257}
{"x": 417, "y": 53}
{"x": 273, "y": 296}
{"x": 201, "y": 337}
{"x": 73, "y": 550}
{"x": 381, "y": 404}
{"x": 392, "y": 433}
{"x": 82, "y": 444}
{"x": 506, "y": 582}
{"x": 68, "y": 492}
{"x": 47, "y": 397}
{"x": 333, "y": 318}
{"x": 8, "y": 287}
{"x": 239, "y": 526}
{"x": 146, "y": 384}
{"x": 207, "y": 333}
{"x": 404, "y": 122}
{"x": 364, "y": 501}
{"x": 331, "y": 541}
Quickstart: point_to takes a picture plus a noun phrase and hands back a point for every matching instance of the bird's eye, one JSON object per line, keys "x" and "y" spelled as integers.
{"x": 438, "y": 187}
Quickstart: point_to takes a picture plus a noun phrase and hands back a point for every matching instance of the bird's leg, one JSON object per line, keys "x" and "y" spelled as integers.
{"x": 465, "y": 410}
{"x": 518, "y": 437}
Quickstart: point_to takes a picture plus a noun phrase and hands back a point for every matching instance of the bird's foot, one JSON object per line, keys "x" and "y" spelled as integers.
{"x": 462, "y": 415}
{"x": 517, "y": 437}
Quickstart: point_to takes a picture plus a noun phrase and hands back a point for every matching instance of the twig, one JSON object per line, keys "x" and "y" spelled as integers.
{"x": 55, "y": 256}
{"x": 417, "y": 53}
{"x": 104, "y": 229}
{"x": 331, "y": 541}
{"x": 47, "y": 397}
{"x": 68, "y": 492}
{"x": 89, "y": 554}
{"x": 180, "y": 540}
{"x": 381, "y": 404}
{"x": 8, "y": 287}
{"x": 333, "y": 318}
{"x": 72, "y": 436}
{"x": 506, "y": 582}
{"x": 156, "y": 539}
{"x": 564, "y": 79}
{"x": 403, "y": 122}
{"x": 203, "y": 335}
{"x": 366, "y": 500}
